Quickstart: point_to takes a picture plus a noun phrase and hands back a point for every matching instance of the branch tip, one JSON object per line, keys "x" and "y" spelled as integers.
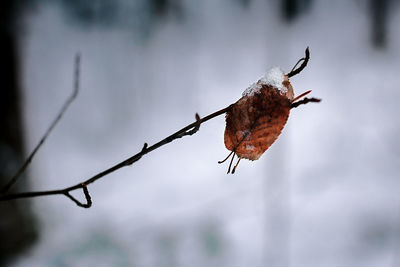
{"x": 305, "y": 101}
{"x": 304, "y": 61}
{"x": 225, "y": 159}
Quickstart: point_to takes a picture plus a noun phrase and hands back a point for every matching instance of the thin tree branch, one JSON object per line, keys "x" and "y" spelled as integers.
{"x": 64, "y": 108}
{"x": 188, "y": 130}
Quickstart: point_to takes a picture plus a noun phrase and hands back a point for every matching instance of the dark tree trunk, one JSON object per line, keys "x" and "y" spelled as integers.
{"x": 291, "y": 9}
{"x": 16, "y": 225}
{"x": 379, "y": 16}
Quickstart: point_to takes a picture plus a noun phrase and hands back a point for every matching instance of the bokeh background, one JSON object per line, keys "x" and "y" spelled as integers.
{"x": 325, "y": 194}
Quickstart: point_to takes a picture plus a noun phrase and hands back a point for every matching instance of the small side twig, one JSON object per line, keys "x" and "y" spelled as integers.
{"x": 305, "y": 101}
{"x": 302, "y": 66}
{"x": 88, "y": 203}
{"x": 234, "y": 154}
{"x": 64, "y": 108}
{"x": 195, "y": 128}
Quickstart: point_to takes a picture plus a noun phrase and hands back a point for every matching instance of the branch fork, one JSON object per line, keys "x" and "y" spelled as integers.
{"x": 88, "y": 203}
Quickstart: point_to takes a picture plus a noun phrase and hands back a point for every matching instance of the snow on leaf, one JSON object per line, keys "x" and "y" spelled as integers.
{"x": 274, "y": 77}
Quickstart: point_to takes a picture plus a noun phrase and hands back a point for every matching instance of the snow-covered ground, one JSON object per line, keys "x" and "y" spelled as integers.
{"x": 325, "y": 193}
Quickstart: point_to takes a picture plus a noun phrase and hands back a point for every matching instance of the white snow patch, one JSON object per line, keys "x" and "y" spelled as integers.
{"x": 273, "y": 77}
{"x": 252, "y": 89}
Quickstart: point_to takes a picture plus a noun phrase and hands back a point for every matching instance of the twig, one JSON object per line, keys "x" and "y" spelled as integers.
{"x": 188, "y": 130}
{"x": 87, "y": 196}
{"x": 305, "y": 101}
{"x": 195, "y": 128}
{"x": 64, "y": 108}
{"x": 303, "y": 65}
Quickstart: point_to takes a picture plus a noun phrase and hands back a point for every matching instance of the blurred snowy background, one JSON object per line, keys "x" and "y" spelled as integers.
{"x": 325, "y": 194}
